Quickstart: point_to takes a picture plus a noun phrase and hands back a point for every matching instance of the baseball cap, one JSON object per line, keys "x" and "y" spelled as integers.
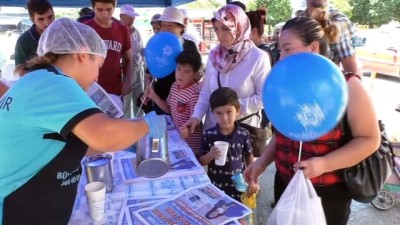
{"x": 129, "y": 11}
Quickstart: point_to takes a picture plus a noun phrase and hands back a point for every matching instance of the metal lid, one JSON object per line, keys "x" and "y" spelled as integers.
{"x": 98, "y": 160}
{"x": 152, "y": 168}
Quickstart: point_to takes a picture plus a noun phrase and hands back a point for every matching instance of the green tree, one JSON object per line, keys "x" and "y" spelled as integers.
{"x": 373, "y": 12}
{"x": 396, "y": 11}
{"x": 278, "y": 10}
{"x": 206, "y": 4}
{"x": 343, "y": 5}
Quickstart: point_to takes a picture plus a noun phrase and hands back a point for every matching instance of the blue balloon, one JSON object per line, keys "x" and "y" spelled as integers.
{"x": 160, "y": 53}
{"x": 305, "y": 96}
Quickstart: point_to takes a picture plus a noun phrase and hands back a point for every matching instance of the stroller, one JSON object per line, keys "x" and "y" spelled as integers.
{"x": 391, "y": 190}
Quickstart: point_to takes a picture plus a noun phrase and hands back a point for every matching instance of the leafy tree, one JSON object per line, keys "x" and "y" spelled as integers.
{"x": 278, "y": 10}
{"x": 373, "y": 12}
{"x": 343, "y": 6}
{"x": 206, "y": 4}
{"x": 396, "y": 11}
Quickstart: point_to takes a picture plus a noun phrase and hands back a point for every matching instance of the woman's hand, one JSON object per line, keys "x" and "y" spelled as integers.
{"x": 312, "y": 167}
{"x": 253, "y": 171}
{"x": 191, "y": 124}
{"x": 253, "y": 189}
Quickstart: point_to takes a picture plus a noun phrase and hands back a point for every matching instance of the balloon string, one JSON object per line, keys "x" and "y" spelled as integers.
{"x": 143, "y": 98}
{"x": 300, "y": 148}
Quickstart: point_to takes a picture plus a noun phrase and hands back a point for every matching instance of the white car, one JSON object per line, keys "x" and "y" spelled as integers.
{"x": 378, "y": 50}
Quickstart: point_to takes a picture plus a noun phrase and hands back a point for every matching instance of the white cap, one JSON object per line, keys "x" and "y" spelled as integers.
{"x": 66, "y": 36}
{"x": 185, "y": 13}
{"x": 174, "y": 15}
{"x": 129, "y": 11}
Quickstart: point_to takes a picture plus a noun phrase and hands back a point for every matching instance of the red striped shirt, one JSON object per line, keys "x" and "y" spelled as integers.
{"x": 181, "y": 103}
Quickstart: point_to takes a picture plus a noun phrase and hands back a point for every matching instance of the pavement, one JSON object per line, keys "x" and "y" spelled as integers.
{"x": 385, "y": 92}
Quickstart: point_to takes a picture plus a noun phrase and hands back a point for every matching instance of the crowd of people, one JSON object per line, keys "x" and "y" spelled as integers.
{"x": 49, "y": 122}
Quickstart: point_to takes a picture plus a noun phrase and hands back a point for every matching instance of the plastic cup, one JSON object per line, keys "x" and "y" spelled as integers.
{"x": 96, "y": 197}
{"x": 223, "y": 146}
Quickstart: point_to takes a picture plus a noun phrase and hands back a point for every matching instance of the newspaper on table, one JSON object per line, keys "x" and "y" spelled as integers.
{"x": 181, "y": 164}
{"x": 104, "y": 101}
{"x": 131, "y": 205}
{"x": 201, "y": 205}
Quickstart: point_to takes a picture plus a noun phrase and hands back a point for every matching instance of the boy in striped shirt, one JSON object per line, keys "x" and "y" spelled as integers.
{"x": 183, "y": 95}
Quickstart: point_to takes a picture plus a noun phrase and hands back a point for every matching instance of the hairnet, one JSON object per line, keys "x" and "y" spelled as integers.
{"x": 65, "y": 36}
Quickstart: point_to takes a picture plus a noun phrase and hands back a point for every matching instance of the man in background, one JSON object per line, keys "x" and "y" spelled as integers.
{"x": 42, "y": 15}
{"x": 85, "y": 13}
{"x": 115, "y": 77}
{"x": 342, "y": 51}
{"x": 128, "y": 15}
{"x": 190, "y": 33}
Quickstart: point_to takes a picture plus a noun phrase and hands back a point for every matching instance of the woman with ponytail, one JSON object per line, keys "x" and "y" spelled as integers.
{"x": 322, "y": 159}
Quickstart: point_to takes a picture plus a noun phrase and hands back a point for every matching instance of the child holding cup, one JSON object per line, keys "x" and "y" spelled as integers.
{"x": 222, "y": 165}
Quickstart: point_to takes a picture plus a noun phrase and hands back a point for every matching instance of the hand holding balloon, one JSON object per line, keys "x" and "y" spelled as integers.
{"x": 305, "y": 96}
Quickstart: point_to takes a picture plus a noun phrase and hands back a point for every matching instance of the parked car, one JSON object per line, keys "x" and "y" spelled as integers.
{"x": 378, "y": 50}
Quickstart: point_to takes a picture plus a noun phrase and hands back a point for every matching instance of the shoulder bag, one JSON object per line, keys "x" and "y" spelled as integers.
{"x": 258, "y": 135}
{"x": 366, "y": 179}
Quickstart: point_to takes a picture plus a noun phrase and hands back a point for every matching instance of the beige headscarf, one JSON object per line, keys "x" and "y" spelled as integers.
{"x": 226, "y": 58}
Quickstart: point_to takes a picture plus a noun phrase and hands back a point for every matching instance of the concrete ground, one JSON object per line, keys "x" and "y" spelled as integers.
{"x": 385, "y": 92}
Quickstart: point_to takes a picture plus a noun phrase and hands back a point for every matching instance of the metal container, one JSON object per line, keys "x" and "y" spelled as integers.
{"x": 98, "y": 168}
{"x": 152, "y": 156}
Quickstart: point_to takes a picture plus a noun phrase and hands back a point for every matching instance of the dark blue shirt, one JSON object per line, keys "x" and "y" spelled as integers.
{"x": 239, "y": 147}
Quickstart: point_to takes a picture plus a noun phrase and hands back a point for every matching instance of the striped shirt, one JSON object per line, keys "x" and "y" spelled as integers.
{"x": 181, "y": 103}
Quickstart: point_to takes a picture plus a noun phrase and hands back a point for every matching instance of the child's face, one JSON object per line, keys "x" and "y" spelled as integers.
{"x": 226, "y": 116}
{"x": 184, "y": 75}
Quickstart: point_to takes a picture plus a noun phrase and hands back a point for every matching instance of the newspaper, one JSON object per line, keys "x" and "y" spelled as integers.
{"x": 200, "y": 205}
{"x": 132, "y": 205}
{"x": 104, "y": 101}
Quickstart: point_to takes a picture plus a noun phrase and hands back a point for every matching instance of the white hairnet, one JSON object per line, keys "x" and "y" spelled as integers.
{"x": 65, "y": 36}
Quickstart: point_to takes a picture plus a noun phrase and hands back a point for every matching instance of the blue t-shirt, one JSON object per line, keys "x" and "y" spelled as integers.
{"x": 39, "y": 103}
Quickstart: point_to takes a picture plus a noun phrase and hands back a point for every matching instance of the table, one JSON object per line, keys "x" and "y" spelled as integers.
{"x": 144, "y": 191}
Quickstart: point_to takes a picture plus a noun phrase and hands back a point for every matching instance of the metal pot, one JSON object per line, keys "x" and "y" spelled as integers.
{"x": 152, "y": 156}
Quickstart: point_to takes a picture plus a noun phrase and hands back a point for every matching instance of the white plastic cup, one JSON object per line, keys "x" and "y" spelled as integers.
{"x": 223, "y": 146}
{"x": 96, "y": 197}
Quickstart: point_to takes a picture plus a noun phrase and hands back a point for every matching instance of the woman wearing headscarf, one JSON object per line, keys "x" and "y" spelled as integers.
{"x": 236, "y": 63}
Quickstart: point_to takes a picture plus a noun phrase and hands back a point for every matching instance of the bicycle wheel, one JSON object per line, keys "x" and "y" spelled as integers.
{"x": 384, "y": 201}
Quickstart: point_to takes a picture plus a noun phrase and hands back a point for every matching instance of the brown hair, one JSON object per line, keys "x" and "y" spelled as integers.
{"x": 36, "y": 63}
{"x": 224, "y": 96}
{"x": 309, "y": 30}
{"x": 39, "y": 7}
{"x": 113, "y": 2}
{"x": 258, "y": 19}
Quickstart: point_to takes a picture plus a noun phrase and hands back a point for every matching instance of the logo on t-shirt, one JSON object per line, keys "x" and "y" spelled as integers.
{"x": 181, "y": 107}
{"x": 113, "y": 45}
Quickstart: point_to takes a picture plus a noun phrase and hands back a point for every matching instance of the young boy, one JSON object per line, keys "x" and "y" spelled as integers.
{"x": 42, "y": 15}
{"x": 225, "y": 106}
{"x": 183, "y": 95}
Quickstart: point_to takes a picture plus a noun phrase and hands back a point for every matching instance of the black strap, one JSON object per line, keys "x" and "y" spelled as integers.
{"x": 241, "y": 119}
{"x": 248, "y": 116}
{"x": 219, "y": 81}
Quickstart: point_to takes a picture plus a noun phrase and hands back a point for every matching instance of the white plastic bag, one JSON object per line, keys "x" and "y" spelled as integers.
{"x": 298, "y": 205}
